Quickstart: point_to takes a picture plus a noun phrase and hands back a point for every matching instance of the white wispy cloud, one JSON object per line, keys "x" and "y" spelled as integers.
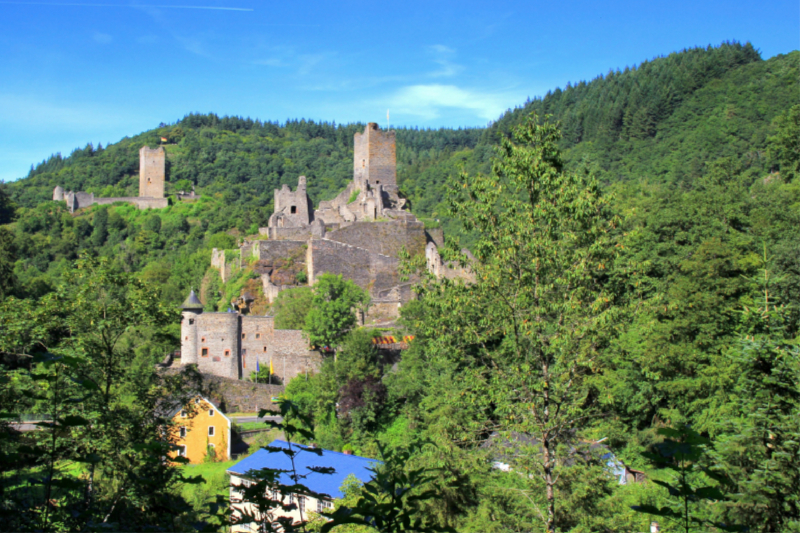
{"x": 442, "y": 56}
{"x": 428, "y": 101}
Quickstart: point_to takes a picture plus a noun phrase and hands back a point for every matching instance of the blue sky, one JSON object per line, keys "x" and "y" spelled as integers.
{"x": 75, "y": 71}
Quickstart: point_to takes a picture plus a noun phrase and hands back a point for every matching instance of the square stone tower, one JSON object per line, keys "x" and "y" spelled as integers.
{"x": 152, "y": 172}
{"x": 375, "y": 159}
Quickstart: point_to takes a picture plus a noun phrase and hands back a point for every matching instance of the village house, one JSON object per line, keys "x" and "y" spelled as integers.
{"x": 199, "y": 428}
{"x": 344, "y": 464}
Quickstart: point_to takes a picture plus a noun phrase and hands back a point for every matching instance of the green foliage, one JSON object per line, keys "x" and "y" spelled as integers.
{"x": 291, "y": 307}
{"x": 681, "y": 454}
{"x": 221, "y": 241}
{"x": 390, "y": 501}
{"x": 333, "y": 309}
{"x": 784, "y": 146}
{"x": 529, "y": 331}
{"x": 354, "y": 196}
{"x": 759, "y": 443}
{"x": 78, "y": 367}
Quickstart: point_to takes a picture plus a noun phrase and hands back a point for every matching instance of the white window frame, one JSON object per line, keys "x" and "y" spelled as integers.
{"x": 210, "y": 412}
{"x": 211, "y": 431}
{"x": 181, "y": 451}
{"x": 182, "y": 432}
{"x": 183, "y": 413}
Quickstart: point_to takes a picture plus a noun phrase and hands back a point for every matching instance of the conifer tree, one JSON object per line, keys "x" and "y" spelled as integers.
{"x": 528, "y": 331}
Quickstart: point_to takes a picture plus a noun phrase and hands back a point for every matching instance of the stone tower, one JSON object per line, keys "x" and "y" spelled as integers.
{"x": 375, "y": 159}
{"x": 58, "y": 194}
{"x": 152, "y": 173}
{"x": 293, "y": 209}
{"x": 192, "y": 308}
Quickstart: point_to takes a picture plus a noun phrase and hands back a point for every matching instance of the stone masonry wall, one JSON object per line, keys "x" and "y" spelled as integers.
{"x": 386, "y": 238}
{"x": 338, "y": 258}
{"x": 240, "y": 396}
{"x": 152, "y": 165}
{"x": 290, "y": 355}
{"x": 256, "y": 336}
{"x": 219, "y": 337}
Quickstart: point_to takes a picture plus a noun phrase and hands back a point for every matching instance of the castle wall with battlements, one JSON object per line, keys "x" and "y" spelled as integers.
{"x": 152, "y": 172}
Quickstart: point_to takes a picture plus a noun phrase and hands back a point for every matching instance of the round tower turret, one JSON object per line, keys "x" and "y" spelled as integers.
{"x": 192, "y": 308}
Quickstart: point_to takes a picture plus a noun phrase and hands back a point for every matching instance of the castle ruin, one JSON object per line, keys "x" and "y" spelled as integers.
{"x": 152, "y": 172}
{"x": 359, "y": 235}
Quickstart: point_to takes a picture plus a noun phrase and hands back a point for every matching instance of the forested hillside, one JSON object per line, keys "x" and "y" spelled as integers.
{"x": 637, "y": 283}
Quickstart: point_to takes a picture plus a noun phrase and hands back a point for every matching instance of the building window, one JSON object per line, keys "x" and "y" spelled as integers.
{"x": 244, "y": 351}
{"x": 187, "y": 337}
{"x": 301, "y": 503}
{"x": 258, "y": 335}
{"x": 210, "y": 412}
{"x": 210, "y": 431}
{"x": 294, "y": 209}
{"x": 182, "y": 451}
{"x": 265, "y": 348}
{"x": 191, "y": 321}
{"x": 204, "y": 352}
{"x": 244, "y": 336}
{"x": 183, "y": 413}
{"x": 227, "y": 353}
{"x": 323, "y": 504}
{"x": 202, "y": 339}
{"x": 183, "y": 433}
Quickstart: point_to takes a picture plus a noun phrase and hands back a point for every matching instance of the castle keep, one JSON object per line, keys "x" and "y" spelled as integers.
{"x": 152, "y": 173}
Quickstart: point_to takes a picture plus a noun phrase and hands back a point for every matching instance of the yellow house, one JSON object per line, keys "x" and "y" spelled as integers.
{"x": 199, "y": 427}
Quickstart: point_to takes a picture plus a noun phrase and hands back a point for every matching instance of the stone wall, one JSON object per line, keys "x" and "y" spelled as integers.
{"x": 240, "y": 396}
{"x": 290, "y": 355}
{"x": 386, "y": 238}
{"x": 338, "y": 258}
{"x": 218, "y": 262}
{"x": 78, "y": 200}
{"x": 219, "y": 344}
{"x": 257, "y": 335}
{"x": 152, "y": 171}
{"x": 140, "y": 202}
{"x": 290, "y": 234}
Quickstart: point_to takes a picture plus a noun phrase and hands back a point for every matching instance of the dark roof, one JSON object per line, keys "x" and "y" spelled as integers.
{"x": 329, "y": 484}
{"x": 192, "y": 302}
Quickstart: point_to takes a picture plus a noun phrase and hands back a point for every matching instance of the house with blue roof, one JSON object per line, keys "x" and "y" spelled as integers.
{"x": 344, "y": 464}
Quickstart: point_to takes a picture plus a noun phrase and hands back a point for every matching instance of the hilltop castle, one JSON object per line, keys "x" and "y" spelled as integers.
{"x": 152, "y": 165}
{"x": 359, "y": 235}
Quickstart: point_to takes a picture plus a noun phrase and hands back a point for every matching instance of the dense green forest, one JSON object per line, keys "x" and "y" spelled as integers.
{"x": 637, "y": 283}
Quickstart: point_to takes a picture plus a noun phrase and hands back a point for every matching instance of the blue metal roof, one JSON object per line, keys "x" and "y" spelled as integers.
{"x": 322, "y": 483}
